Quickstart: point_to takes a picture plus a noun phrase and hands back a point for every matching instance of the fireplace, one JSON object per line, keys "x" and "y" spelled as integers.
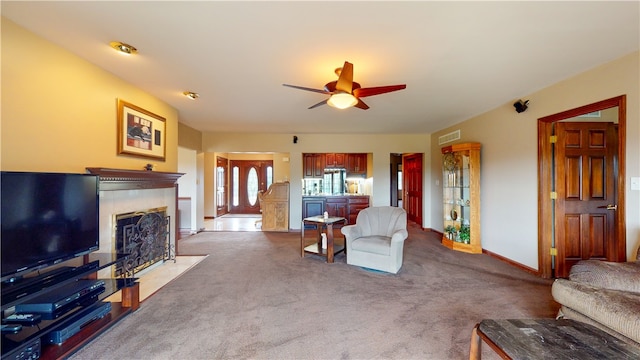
{"x": 126, "y": 192}
{"x": 144, "y": 236}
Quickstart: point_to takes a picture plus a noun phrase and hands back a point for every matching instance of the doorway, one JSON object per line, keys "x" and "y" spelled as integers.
{"x": 396, "y": 179}
{"x": 581, "y": 187}
{"x": 412, "y": 187}
{"x": 248, "y": 178}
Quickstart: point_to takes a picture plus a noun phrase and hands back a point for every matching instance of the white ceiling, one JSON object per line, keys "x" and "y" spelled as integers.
{"x": 458, "y": 59}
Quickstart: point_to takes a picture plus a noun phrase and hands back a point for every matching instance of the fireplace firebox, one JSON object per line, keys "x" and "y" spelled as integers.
{"x": 144, "y": 236}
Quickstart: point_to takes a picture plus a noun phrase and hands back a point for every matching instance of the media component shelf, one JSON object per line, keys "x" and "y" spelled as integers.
{"x": 68, "y": 306}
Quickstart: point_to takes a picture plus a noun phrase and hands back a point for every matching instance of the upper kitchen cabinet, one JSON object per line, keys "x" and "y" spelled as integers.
{"x": 335, "y": 161}
{"x": 356, "y": 164}
{"x": 313, "y": 166}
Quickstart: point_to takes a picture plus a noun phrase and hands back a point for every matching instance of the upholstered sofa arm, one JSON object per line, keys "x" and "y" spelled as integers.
{"x": 622, "y": 276}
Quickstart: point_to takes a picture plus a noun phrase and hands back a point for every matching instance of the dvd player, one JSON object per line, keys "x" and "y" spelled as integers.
{"x": 56, "y": 299}
{"x": 75, "y": 323}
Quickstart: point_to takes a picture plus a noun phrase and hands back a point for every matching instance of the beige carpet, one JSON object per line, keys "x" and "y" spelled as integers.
{"x": 254, "y": 297}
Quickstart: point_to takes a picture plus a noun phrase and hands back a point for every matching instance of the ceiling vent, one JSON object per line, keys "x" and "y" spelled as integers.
{"x": 452, "y": 136}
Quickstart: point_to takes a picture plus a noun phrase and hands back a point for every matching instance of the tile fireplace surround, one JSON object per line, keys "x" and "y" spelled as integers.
{"x": 123, "y": 191}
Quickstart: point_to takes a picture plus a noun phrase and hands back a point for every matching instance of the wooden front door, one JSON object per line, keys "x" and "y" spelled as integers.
{"x": 412, "y": 179}
{"x": 586, "y": 178}
{"x": 248, "y": 177}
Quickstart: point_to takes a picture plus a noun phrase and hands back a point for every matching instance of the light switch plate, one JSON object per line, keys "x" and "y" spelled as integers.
{"x": 635, "y": 183}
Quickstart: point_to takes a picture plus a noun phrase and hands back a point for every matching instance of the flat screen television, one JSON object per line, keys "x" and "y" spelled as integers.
{"x": 46, "y": 218}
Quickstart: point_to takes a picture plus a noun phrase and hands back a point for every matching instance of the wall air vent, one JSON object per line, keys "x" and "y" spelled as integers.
{"x": 452, "y": 136}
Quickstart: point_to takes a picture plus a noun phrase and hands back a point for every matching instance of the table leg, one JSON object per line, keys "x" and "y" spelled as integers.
{"x": 344, "y": 238}
{"x": 330, "y": 243}
{"x": 302, "y": 240}
{"x": 475, "y": 352}
{"x": 319, "y": 238}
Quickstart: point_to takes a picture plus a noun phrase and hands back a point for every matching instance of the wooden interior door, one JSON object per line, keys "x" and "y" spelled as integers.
{"x": 586, "y": 205}
{"x": 412, "y": 184}
{"x": 547, "y": 182}
{"x": 222, "y": 185}
{"x": 248, "y": 177}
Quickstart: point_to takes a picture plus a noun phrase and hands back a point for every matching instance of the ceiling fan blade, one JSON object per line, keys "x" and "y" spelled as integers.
{"x": 345, "y": 80}
{"x": 307, "y": 89}
{"x": 361, "y": 105}
{"x": 377, "y": 90}
{"x": 319, "y": 104}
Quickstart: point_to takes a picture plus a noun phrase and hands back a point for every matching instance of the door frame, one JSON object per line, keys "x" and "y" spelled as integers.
{"x": 224, "y": 163}
{"x": 545, "y": 178}
{"x": 395, "y": 165}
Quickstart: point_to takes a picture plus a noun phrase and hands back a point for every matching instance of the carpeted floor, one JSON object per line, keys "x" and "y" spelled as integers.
{"x": 254, "y": 297}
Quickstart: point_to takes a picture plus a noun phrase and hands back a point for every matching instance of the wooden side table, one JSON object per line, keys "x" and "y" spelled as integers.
{"x": 316, "y": 248}
{"x": 549, "y": 339}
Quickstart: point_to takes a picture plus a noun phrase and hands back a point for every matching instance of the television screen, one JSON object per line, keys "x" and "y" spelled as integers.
{"x": 46, "y": 218}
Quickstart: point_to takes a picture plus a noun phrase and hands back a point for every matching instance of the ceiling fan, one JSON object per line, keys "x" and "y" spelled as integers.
{"x": 345, "y": 92}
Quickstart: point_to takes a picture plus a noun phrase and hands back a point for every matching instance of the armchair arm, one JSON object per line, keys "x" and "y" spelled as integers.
{"x": 351, "y": 231}
{"x": 399, "y": 236}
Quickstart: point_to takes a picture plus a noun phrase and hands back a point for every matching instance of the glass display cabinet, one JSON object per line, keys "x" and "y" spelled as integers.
{"x": 461, "y": 197}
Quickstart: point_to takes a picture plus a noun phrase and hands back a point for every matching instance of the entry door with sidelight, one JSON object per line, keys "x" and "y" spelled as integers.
{"x": 248, "y": 177}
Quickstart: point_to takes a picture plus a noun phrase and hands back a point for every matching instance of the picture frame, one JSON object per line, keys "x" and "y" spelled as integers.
{"x": 140, "y": 132}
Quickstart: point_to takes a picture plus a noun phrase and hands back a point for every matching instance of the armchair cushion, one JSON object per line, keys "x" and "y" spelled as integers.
{"x": 372, "y": 244}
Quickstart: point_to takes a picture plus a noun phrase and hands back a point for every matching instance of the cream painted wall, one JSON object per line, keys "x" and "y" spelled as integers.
{"x": 190, "y": 162}
{"x": 189, "y": 137}
{"x": 209, "y": 183}
{"x": 509, "y": 179}
{"x": 59, "y": 111}
{"x": 188, "y": 187}
{"x": 380, "y": 146}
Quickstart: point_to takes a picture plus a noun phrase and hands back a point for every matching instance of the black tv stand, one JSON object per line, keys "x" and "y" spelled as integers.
{"x": 29, "y": 286}
{"x": 54, "y": 282}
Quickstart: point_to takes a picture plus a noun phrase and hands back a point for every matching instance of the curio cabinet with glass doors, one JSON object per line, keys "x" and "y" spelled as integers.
{"x": 461, "y": 197}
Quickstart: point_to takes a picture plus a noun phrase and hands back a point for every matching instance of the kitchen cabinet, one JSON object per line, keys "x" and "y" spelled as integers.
{"x": 312, "y": 206}
{"x": 313, "y": 166}
{"x": 344, "y": 206}
{"x": 356, "y": 164}
{"x": 335, "y": 161}
{"x": 355, "y": 204}
{"x": 337, "y": 206}
{"x": 461, "y": 197}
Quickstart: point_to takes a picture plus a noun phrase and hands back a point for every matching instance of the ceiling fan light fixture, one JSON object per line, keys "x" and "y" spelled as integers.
{"x": 191, "y": 95}
{"x": 342, "y": 100}
{"x": 123, "y": 48}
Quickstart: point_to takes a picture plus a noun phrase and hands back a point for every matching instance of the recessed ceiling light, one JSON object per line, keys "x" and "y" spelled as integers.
{"x": 191, "y": 95}
{"x": 123, "y": 48}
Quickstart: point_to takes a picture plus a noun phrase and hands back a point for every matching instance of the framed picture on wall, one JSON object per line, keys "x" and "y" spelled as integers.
{"x": 140, "y": 132}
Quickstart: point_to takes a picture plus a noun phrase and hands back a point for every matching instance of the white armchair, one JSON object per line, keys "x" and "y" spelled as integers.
{"x": 376, "y": 241}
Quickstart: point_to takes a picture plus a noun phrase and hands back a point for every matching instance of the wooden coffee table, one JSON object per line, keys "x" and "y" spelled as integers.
{"x": 549, "y": 339}
{"x": 322, "y": 224}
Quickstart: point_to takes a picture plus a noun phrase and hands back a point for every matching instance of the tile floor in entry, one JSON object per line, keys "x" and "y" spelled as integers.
{"x": 234, "y": 222}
